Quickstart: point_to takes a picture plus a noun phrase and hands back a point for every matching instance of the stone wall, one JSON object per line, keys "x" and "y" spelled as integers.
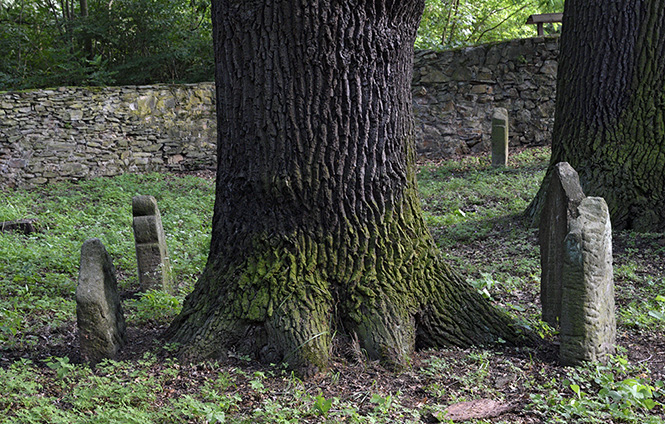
{"x": 456, "y": 91}
{"x": 72, "y": 132}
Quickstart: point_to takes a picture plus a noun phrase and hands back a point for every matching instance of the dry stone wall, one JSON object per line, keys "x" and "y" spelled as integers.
{"x": 72, "y": 132}
{"x": 455, "y": 93}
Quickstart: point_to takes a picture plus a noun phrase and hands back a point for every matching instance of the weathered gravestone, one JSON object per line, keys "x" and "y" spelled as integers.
{"x": 99, "y": 315}
{"x": 500, "y": 137}
{"x": 588, "y": 325}
{"x": 154, "y": 267}
{"x": 564, "y": 194}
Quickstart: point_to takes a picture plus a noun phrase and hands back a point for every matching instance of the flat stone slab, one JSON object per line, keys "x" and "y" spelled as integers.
{"x": 25, "y": 226}
{"x": 477, "y": 409}
{"x": 500, "y": 128}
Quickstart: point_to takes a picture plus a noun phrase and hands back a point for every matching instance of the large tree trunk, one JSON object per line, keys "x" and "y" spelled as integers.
{"x": 610, "y": 108}
{"x": 317, "y": 227}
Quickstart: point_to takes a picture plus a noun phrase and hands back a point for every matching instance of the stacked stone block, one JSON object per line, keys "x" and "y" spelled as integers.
{"x": 154, "y": 266}
{"x": 456, "y": 91}
{"x": 71, "y": 133}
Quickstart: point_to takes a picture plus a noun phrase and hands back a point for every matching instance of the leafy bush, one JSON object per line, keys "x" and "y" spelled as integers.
{"x": 602, "y": 392}
{"x": 119, "y": 42}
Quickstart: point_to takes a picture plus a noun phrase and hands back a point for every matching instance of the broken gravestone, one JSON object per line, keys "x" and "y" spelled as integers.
{"x": 154, "y": 267}
{"x": 500, "y": 137}
{"x": 588, "y": 324}
{"x": 99, "y": 314}
{"x": 564, "y": 194}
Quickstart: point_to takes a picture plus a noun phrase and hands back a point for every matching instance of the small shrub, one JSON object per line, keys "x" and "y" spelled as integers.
{"x": 153, "y": 305}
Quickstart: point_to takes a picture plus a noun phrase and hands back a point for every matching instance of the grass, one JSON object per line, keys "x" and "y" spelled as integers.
{"x": 473, "y": 212}
{"x": 38, "y": 274}
{"x": 463, "y": 199}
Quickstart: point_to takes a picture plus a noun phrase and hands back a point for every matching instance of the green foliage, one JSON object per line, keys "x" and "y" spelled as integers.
{"x": 659, "y": 311}
{"x": 39, "y": 273}
{"x": 382, "y": 403}
{"x": 484, "y": 285}
{"x": 153, "y": 305}
{"x": 153, "y": 41}
{"x": 46, "y": 44}
{"x": 462, "y": 199}
{"x": 648, "y": 314}
{"x": 257, "y": 382}
{"x": 599, "y": 393}
{"x": 322, "y": 405}
{"x": 139, "y": 392}
{"x": 38, "y": 276}
{"x": 453, "y": 23}
{"x": 61, "y": 366}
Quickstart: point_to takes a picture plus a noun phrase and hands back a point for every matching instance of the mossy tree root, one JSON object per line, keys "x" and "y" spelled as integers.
{"x": 286, "y": 310}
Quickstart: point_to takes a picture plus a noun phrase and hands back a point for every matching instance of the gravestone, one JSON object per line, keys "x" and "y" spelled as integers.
{"x": 152, "y": 257}
{"x": 588, "y": 324}
{"x": 500, "y": 137}
{"x": 564, "y": 194}
{"x": 99, "y": 314}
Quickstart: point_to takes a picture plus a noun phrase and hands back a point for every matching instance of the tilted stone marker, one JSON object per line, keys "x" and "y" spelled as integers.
{"x": 500, "y": 137}
{"x": 99, "y": 314}
{"x": 564, "y": 194}
{"x": 588, "y": 324}
{"x": 152, "y": 256}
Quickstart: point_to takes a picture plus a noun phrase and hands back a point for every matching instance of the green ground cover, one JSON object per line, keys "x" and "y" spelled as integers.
{"x": 473, "y": 212}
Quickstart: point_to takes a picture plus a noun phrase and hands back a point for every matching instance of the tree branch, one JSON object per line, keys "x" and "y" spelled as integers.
{"x": 500, "y": 23}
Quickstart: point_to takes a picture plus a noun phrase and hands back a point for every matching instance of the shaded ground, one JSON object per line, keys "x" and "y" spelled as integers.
{"x": 503, "y": 260}
{"x": 436, "y": 378}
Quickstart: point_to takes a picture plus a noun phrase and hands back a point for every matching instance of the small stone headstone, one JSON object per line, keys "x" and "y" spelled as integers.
{"x": 500, "y": 137}
{"x": 588, "y": 324}
{"x": 564, "y": 194}
{"x": 154, "y": 267}
{"x": 99, "y": 314}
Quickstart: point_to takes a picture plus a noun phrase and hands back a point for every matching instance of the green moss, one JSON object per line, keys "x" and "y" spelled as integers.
{"x": 373, "y": 277}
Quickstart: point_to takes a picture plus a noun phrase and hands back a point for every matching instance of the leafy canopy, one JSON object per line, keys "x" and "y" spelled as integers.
{"x": 47, "y": 43}
{"x": 455, "y": 23}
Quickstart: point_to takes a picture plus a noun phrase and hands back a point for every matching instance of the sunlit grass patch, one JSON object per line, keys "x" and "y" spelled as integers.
{"x": 39, "y": 272}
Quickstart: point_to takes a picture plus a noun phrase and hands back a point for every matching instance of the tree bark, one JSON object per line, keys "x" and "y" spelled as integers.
{"x": 317, "y": 226}
{"x": 87, "y": 41}
{"x": 610, "y": 108}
